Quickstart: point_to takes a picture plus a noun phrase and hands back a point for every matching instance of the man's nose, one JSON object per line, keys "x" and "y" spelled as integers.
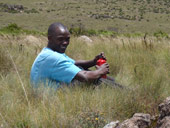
{"x": 65, "y": 42}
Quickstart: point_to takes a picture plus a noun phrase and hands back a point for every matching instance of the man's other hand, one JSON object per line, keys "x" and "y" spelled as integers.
{"x": 101, "y": 55}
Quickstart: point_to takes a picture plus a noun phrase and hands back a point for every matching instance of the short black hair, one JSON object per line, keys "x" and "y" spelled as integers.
{"x": 53, "y": 26}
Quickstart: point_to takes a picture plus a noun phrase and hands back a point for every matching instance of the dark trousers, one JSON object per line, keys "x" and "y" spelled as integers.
{"x": 108, "y": 81}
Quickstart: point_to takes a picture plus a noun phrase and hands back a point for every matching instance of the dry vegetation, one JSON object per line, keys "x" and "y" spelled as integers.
{"x": 141, "y": 64}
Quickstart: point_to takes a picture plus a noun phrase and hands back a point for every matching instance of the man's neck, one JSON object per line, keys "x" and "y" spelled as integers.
{"x": 49, "y": 46}
{"x": 53, "y": 49}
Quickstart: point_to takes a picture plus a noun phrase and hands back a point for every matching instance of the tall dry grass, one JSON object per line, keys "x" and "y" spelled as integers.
{"x": 142, "y": 65}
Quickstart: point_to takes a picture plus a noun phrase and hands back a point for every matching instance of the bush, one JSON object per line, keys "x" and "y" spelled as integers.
{"x": 11, "y": 28}
{"x": 14, "y": 29}
{"x": 161, "y": 34}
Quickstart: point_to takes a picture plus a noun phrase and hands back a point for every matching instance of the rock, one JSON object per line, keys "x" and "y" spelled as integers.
{"x": 164, "y": 123}
{"x": 139, "y": 120}
{"x": 19, "y": 7}
{"x": 85, "y": 39}
{"x": 113, "y": 124}
{"x": 164, "y": 108}
{"x": 11, "y": 8}
{"x": 164, "y": 117}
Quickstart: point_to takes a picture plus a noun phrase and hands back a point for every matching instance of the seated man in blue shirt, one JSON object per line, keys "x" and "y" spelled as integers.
{"x": 54, "y": 67}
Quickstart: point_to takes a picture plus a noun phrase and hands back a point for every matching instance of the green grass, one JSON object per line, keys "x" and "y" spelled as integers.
{"x": 142, "y": 66}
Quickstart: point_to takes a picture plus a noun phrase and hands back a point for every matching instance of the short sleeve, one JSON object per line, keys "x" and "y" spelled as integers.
{"x": 70, "y": 59}
{"x": 64, "y": 70}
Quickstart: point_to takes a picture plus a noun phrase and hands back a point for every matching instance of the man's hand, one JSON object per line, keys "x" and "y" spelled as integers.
{"x": 101, "y": 55}
{"x": 90, "y": 76}
{"x": 103, "y": 69}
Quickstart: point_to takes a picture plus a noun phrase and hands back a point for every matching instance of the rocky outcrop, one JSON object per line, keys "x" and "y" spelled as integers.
{"x": 164, "y": 108}
{"x": 85, "y": 39}
{"x": 140, "y": 120}
{"x": 164, "y": 123}
{"x": 16, "y": 8}
{"x": 113, "y": 124}
{"x": 164, "y": 117}
{"x": 9, "y": 8}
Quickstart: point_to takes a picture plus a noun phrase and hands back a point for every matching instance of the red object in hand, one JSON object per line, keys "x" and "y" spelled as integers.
{"x": 99, "y": 63}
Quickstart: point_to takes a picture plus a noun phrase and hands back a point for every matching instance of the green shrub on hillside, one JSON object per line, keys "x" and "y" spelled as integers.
{"x": 11, "y": 28}
{"x": 161, "y": 34}
{"x": 16, "y": 30}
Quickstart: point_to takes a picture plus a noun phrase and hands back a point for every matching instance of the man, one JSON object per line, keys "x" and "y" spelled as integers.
{"x": 53, "y": 67}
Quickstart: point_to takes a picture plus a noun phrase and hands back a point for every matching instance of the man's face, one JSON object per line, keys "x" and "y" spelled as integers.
{"x": 60, "y": 41}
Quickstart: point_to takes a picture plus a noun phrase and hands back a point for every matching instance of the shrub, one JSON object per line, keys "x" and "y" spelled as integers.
{"x": 161, "y": 34}
{"x": 11, "y": 28}
{"x": 14, "y": 29}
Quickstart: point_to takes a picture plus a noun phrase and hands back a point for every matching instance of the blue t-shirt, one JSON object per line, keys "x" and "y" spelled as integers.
{"x": 53, "y": 68}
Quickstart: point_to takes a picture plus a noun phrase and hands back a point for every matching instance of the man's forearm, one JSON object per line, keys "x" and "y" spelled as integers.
{"x": 88, "y": 76}
{"x": 85, "y": 64}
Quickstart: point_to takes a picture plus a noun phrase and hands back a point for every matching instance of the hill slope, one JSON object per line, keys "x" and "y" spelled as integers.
{"x": 123, "y": 16}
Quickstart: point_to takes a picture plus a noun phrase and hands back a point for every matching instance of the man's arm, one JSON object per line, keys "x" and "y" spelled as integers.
{"x": 90, "y": 76}
{"x": 85, "y": 64}
{"x": 90, "y": 63}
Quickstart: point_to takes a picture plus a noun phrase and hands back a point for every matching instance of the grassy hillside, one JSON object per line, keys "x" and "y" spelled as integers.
{"x": 142, "y": 65}
{"x": 122, "y": 16}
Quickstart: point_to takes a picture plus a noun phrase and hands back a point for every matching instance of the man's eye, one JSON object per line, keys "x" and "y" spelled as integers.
{"x": 67, "y": 39}
{"x": 60, "y": 39}
{"x": 63, "y": 39}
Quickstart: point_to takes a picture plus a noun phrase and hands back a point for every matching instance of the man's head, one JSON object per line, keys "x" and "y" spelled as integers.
{"x": 58, "y": 37}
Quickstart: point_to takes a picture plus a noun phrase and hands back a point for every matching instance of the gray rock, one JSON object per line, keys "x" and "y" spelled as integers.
{"x": 164, "y": 123}
{"x": 85, "y": 39}
{"x": 139, "y": 120}
{"x": 113, "y": 124}
{"x": 164, "y": 108}
{"x": 164, "y": 117}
